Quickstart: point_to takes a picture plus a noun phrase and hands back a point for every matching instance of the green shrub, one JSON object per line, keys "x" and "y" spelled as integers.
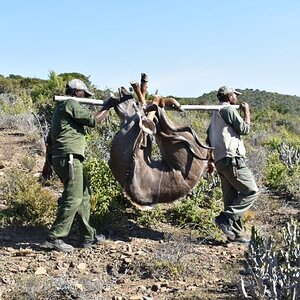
{"x": 104, "y": 187}
{"x": 281, "y": 176}
{"x": 152, "y": 217}
{"x": 28, "y": 202}
{"x": 275, "y": 171}
{"x": 197, "y": 210}
{"x": 107, "y": 201}
{"x": 274, "y": 142}
{"x": 200, "y": 207}
{"x": 16, "y": 104}
{"x": 292, "y": 182}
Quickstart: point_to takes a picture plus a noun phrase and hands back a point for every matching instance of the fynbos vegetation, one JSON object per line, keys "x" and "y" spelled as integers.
{"x": 274, "y": 156}
{"x": 274, "y": 268}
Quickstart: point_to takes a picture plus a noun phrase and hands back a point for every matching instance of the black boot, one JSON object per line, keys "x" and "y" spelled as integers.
{"x": 58, "y": 244}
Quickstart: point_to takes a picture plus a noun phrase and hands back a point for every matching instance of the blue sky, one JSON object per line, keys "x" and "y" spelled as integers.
{"x": 187, "y": 48}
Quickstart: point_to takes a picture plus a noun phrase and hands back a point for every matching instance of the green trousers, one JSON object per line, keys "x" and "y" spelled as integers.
{"x": 239, "y": 190}
{"x": 75, "y": 201}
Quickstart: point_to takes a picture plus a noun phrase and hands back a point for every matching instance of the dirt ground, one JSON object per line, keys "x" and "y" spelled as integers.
{"x": 162, "y": 262}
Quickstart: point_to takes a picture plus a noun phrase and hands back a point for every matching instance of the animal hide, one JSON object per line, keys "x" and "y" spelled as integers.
{"x": 145, "y": 180}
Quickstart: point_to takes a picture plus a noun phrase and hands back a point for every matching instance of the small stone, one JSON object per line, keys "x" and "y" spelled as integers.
{"x": 96, "y": 270}
{"x": 127, "y": 260}
{"x": 40, "y": 271}
{"x": 22, "y": 268}
{"x": 155, "y": 287}
{"x": 81, "y": 267}
{"x": 136, "y": 297}
{"x": 120, "y": 281}
{"x": 78, "y": 286}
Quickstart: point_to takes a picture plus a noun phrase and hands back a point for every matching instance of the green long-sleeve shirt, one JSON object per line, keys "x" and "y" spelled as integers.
{"x": 233, "y": 119}
{"x": 67, "y": 128}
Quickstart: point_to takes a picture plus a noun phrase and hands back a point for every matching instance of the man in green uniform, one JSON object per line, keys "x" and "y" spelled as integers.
{"x": 65, "y": 153}
{"x": 238, "y": 184}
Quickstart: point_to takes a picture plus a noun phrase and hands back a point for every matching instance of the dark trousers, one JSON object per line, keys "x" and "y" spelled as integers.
{"x": 75, "y": 201}
{"x": 239, "y": 189}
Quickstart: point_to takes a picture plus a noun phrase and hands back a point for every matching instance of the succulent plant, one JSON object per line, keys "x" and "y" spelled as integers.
{"x": 273, "y": 273}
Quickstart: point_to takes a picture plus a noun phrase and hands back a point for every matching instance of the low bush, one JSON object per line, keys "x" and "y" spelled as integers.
{"x": 200, "y": 207}
{"x": 282, "y": 172}
{"x": 152, "y": 217}
{"x": 275, "y": 171}
{"x": 197, "y": 210}
{"x": 107, "y": 201}
{"x": 28, "y": 203}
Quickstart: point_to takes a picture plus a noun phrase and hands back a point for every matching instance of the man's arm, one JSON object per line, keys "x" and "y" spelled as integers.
{"x": 101, "y": 115}
{"x": 233, "y": 118}
{"x": 111, "y": 102}
{"x": 246, "y": 110}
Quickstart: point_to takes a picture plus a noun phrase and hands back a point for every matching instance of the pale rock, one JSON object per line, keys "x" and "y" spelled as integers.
{"x": 136, "y": 297}
{"x": 78, "y": 286}
{"x": 147, "y": 298}
{"x": 81, "y": 266}
{"x": 127, "y": 260}
{"x": 40, "y": 271}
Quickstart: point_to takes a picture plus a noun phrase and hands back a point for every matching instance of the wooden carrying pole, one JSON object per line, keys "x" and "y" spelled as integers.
{"x": 80, "y": 100}
{"x": 185, "y": 107}
{"x": 205, "y": 107}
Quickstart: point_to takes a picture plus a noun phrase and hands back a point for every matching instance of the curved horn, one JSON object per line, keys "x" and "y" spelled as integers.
{"x": 168, "y": 125}
{"x": 136, "y": 87}
{"x": 144, "y": 84}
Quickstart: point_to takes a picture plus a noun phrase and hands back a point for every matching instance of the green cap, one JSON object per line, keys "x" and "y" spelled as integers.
{"x": 225, "y": 90}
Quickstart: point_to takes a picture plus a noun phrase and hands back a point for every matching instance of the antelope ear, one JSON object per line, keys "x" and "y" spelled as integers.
{"x": 147, "y": 125}
{"x": 172, "y": 104}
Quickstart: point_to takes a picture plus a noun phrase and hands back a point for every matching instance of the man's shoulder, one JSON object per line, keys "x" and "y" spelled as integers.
{"x": 70, "y": 101}
{"x": 228, "y": 110}
{"x": 71, "y": 104}
{"x": 225, "y": 111}
{"x": 228, "y": 113}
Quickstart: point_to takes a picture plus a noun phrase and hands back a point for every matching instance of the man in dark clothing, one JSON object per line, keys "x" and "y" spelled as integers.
{"x": 238, "y": 184}
{"x": 65, "y": 153}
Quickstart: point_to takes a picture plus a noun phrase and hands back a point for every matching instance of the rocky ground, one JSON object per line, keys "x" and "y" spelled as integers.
{"x": 161, "y": 262}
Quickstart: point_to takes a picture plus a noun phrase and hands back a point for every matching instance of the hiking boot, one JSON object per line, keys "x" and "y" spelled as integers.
{"x": 224, "y": 225}
{"x": 99, "y": 238}
{"x": 58, "y": 245}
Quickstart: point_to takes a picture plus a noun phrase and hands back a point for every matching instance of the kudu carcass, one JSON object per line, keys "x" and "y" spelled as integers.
{"x": 145, "y": 180}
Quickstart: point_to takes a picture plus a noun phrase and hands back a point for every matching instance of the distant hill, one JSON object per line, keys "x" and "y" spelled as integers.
{"x": 256, "y": 98}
